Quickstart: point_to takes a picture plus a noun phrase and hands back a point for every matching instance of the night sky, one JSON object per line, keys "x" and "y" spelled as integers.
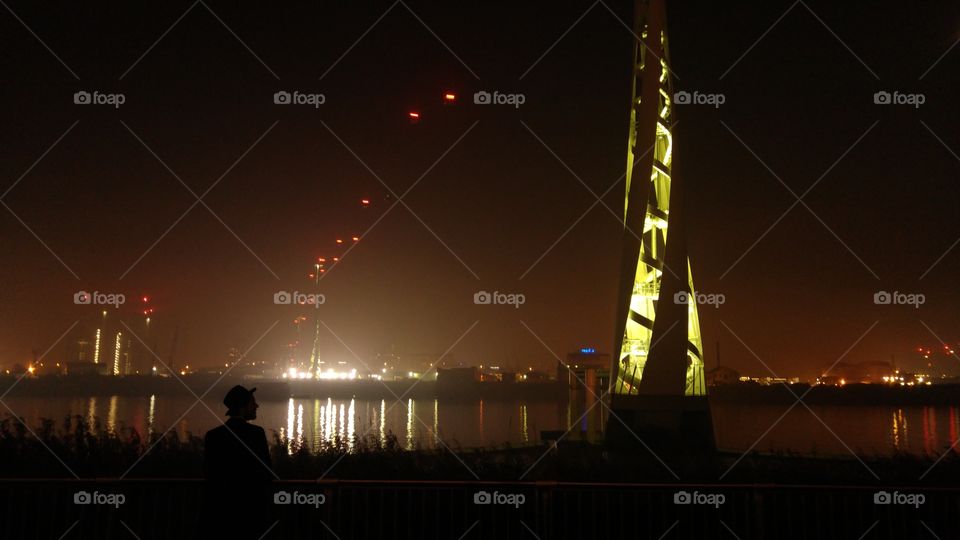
{"x": 493, "y": 212}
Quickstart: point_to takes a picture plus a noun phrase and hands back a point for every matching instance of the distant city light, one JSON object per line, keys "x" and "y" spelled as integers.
{"x": 96, "y": 348}
{"x": 332, "y": 374}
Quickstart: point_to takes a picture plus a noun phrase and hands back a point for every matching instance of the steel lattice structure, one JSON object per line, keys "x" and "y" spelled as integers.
{"x": 655, "y": 274}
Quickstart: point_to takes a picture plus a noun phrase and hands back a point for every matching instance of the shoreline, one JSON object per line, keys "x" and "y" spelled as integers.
{"x": 273, "y": 390}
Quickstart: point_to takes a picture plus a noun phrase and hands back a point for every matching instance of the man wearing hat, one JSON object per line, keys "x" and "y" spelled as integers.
{"x": 236, "y": 464}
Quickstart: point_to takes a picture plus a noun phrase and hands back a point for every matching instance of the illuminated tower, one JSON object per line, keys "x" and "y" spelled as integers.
{"x": 116, "y": 355}
{"x": 96, "y": 348}
{"x": 658, "y": 330}
{"x": 314, "y": 365}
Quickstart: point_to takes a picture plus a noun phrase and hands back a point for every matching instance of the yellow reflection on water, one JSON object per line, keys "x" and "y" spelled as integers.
{"x": 330, "y": 422}
{"x": 323, "y": 425}
{"x": 290, "y": 426}
{"x": 315, "y": 432}
{"x": 436, "y": 421}
{"x": 899, "y": 430}
{"x": 383, "y": 422}
{"x": 92, "y": 412}
{"x": 150, "y": 414}
{"x": 112, "y": 414}
{"x": 523, "y": 424}
{"x": 299, "y": 438}
{"x": 410, "y": 414}
{"x": 350, "y": 425}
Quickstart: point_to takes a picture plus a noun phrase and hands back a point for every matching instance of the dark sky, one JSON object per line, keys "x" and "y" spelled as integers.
{"x": 496, "y": 206}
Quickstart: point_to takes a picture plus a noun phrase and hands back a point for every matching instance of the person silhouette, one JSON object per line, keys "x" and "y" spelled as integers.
{"x": 237, "y": 468}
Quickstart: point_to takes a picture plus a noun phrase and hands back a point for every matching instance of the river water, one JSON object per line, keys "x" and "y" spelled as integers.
{"x": 429, "y": 423}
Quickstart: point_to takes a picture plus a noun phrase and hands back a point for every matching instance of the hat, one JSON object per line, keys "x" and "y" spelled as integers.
{"x": 237, "y": 397}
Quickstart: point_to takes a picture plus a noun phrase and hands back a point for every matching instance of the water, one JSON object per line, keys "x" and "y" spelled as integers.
{"x": 835, "y": 430}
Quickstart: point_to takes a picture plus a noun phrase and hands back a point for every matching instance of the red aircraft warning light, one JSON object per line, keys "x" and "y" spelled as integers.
{"x": 414, "y": 117}
{"x": 321, "y": 259}
{"x": 339, "y": 241}
{"x": 335, "y": 259}
{"x": 449, "y": 98}
{"x": 364, "y": 202}
{"x": 356, "y": 238}
{"x": 146, "y": 299}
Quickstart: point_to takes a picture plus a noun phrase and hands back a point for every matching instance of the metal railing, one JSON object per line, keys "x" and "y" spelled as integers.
{"x": 161, "y": 508}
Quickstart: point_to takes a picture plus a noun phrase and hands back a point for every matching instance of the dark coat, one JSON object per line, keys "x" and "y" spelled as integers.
{"x": 238, "y": 497}
{"x": 236, "y": 451}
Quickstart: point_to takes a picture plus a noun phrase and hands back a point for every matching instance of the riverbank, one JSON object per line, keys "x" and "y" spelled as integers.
{"x": 275, "y": 390}
{"x": 278, "y": 390}
{"x": 84, "y": 448}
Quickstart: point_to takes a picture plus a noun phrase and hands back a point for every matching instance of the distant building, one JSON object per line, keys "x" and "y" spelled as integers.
{"x": 459, "y": 375}
{"x": 722, "y": 375}
{"x": 75, "y": 369}
{"x": 863, "y": 372}
{"x": 535, "y": 376}
{"x": 586, "y": 367}
{"x": 767, "y": 381}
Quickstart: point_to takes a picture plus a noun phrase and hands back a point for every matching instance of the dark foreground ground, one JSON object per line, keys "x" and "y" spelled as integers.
{"x": 151, "y": 488}
{"x": 171, "y": 508}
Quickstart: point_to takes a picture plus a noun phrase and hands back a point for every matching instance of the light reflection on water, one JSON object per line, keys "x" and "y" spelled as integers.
{"x": 433, "y": 423}
{"x": 153, "y": 406}
{"x": 383, "y": 421}
{"x": 898, "y": 429}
